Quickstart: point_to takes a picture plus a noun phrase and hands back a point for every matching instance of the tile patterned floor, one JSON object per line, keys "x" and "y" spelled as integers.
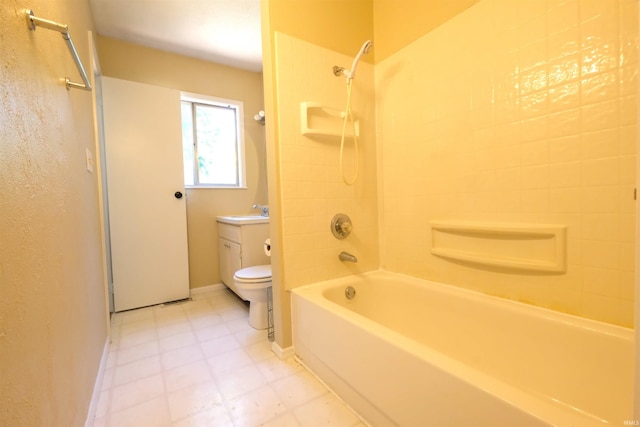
{"x": 199, "y": 363}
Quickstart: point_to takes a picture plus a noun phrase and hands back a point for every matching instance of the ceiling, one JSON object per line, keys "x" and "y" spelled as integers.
{"x": 222, "y": 31}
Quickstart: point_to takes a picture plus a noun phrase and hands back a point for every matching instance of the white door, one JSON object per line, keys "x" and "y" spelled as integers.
{"x": 143, "y": 139}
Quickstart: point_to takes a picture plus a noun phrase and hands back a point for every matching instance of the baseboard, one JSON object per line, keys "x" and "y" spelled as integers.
{"x": 282, "y": 353}
{"x": 208, "y": 288}
{"x": 97, "y": 387}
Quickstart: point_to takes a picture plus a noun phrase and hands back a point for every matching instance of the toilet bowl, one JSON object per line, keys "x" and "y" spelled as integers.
{"x": 252, "y": 284}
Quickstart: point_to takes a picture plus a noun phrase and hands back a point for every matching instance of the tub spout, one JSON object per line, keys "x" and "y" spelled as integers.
{"x": 346, "y": 256}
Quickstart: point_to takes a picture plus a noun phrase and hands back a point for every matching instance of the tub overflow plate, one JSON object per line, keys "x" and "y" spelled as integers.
{"x": 350, "y": 292}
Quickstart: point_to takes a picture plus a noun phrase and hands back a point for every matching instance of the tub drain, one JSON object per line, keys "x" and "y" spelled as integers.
{"x": 350, "y": 292}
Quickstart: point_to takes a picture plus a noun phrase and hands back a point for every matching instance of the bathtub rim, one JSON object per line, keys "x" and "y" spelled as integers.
{"x": 536, "y": 404}
{"x": 610, "y": 329}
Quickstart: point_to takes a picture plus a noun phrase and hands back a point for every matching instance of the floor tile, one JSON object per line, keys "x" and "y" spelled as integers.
{"x": 210, "y": 417}
{"x": 229, "y": 361}
{"x": 141, "y": 368}
{"x": 136, "y": 337}
{"x": 273, "y": 368}
{"x": 250, "y": 336}
{"x": 205, "y": 320}
{"x": 191, "y": 400}
{"x": 136, "y": 392}
{"x": 177, "y": 327}
{"x": 325, "y": 410}
{"x": 298, "y": 389}
{"x": 212, "y": 332}
{"x": 219, "y": 345}
{"x": 259, "y": 351}
{"x": 152, "y": 413}
{"x": 187, "y": 375}
{"x": 256, "y": 407}
{"x": 285, "y": 420}
{"x": 182, "y": 339}
{"x": 181, "y": 356}
{"x": 239, "y": 381}
{"x": 137, "y": 352}
{"x": 199, "y": 363}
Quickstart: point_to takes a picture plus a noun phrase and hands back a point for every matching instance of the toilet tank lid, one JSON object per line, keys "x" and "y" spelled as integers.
{"x": 255, "y": 272}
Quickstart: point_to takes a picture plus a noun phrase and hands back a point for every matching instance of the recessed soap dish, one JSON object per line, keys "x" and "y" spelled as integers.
{"x": 317, "y": 120}
{"x": 526, "y": 247}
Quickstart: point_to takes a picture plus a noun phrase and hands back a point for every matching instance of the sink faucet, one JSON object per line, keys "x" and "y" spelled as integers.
{"x": 346, "y": 256}
{"x": 264, "y": 209}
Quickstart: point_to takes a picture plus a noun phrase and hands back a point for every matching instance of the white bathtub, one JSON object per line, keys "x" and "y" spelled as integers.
{"x": 407, "y": 352}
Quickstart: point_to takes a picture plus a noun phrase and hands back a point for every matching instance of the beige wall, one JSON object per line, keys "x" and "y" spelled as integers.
{"x": 398, "y": 23}
{"x": 53, "y": 322}
{"x": 342, "y": 26}
{"x": 140, "y": 64}
{"x": 517, "y": 112}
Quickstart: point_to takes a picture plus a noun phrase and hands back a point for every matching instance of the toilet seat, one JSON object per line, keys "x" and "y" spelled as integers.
{"x": 255, "y": 274}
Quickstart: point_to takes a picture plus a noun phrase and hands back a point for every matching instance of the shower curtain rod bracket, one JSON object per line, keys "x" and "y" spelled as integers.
{"x": 33, "y": 22}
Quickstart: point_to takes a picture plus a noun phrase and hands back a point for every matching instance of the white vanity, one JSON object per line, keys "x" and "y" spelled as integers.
{"x": 241, "y": 244}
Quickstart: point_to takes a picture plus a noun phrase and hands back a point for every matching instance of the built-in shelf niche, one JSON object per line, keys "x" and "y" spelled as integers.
{"x": 526, "y": 247}
{"x": 322, "y": 122}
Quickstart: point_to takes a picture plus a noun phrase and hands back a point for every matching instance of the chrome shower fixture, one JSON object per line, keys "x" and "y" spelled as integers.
{"x": 338, "y": 71}
{"x": 351, "y": 74}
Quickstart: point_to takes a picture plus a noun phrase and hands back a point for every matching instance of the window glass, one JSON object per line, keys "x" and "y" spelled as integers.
{"x": 216, "y": 145}
{"x": 212, "y": 143}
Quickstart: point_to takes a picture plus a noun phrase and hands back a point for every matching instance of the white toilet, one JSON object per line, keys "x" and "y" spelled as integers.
{"x": 252, "y": 284}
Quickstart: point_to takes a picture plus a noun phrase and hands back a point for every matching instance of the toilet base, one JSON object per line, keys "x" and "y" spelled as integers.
{"x": 258, "y": 315}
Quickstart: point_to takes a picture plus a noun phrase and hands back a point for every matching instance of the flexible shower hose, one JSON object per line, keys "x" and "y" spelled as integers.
{"x": 349, "y": 117}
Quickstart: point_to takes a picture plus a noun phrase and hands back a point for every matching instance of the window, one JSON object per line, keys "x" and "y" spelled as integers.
{"x": 212, "y": 142}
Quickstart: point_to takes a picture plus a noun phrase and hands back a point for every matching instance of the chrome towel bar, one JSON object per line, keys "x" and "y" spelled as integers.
{"x": 33, "y": 22}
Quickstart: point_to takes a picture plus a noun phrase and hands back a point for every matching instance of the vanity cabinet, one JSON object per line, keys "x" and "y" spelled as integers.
{"x": 230, "y": 256}
{"x": 240, "y": 246}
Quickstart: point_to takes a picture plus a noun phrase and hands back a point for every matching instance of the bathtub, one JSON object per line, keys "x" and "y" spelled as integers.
{"x": 407, "y": 352}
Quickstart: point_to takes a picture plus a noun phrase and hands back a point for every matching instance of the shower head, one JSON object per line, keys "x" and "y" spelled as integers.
{"x": 351, "y": 74}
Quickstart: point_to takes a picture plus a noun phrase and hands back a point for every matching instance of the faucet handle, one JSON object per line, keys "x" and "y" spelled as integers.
{"x": 345, "y": 227}
{"x": 341, "y": 226}
{"x": 264, "y": 209}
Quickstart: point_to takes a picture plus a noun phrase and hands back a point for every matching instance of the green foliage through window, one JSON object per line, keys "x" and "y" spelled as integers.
{"x": 211, "y": 144}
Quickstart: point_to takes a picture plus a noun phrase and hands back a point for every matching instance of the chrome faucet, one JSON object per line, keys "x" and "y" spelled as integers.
{"x": 346, "y": 256}
{"x": 264, "y": 209}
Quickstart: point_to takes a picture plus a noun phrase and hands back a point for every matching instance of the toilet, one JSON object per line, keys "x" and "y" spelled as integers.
{"x": 252, "y": 284}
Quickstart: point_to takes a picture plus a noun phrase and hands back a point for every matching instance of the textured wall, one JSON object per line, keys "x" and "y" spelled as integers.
{"x": 144, "y": 65}
{"x": 519, "y": 112}
{"x": 52, "y": 298}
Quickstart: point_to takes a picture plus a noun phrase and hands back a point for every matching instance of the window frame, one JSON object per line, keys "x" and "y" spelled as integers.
{"x": 238, "y": 106}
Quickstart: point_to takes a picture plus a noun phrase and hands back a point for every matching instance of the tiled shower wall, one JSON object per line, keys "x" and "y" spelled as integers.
{"x": 517, "y": 112}
{"x": 311, "y": 188}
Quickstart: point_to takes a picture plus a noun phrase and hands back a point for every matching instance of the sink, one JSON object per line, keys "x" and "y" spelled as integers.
{"x": 243, "y": 219}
